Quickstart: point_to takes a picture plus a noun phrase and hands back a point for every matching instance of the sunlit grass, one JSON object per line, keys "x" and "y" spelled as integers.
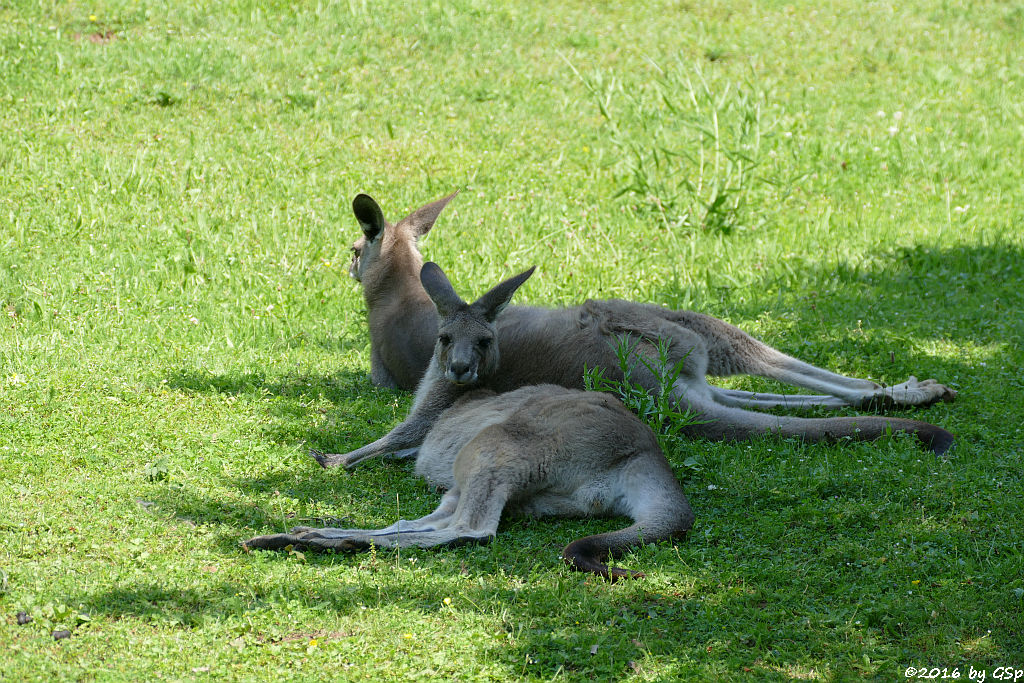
{"x": 177, "y": 327}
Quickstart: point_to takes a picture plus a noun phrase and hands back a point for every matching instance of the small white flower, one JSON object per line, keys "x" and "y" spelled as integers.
{"x": 712, "y": 487}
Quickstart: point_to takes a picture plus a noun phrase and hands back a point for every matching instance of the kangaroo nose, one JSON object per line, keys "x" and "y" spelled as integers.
{"x": 461, "y": 373}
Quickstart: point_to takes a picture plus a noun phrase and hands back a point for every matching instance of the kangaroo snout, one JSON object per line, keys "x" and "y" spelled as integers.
{"x": 461, "y": 373}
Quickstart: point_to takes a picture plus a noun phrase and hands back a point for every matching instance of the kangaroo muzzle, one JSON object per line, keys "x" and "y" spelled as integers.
{"x": 461, "y": 373}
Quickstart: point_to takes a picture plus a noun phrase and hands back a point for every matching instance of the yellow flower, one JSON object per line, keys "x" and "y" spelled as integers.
{"x": 916, "y": 581}
{"x": 407, "y": 636}
{"x": 314, "y": 642}
{"x": 92, "y": 17}
{"x": 447, "y": 602}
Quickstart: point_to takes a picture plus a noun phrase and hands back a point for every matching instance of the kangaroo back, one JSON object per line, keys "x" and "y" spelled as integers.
{"x": 387, "y": 261}
{"x": 538, "y": 451}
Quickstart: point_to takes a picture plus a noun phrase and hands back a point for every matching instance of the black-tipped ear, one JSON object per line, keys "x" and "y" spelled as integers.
{"x": 494, "y": 302}
{"x": 422, "y": 219}
{"x": 439, "y": 289}
{"x": 369, "y": 215}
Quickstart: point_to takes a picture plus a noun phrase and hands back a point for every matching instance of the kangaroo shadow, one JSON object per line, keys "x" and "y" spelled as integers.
{"x": 327, "y": 412}
{"x": 305, "y": 408}
{"x": 972, "y": 299}
{"x": 898, "y": 312}
{"x": 966, "y": 293}
{"x": 302, "y": 387}
{"x": 546, "y": 647}
{"x": 691, "y": 602}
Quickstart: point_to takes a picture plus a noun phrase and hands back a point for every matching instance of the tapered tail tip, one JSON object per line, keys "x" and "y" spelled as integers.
{"x": 616, "y": 573}
{"x": 582, "y": 556}
{"x": 941, "y": 441}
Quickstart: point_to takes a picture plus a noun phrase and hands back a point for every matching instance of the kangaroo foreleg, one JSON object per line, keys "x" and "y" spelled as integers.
{"x": 431, "y": 400}
{"x": 402, "y": 438}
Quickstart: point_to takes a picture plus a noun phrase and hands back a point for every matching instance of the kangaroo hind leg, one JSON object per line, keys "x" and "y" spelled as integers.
{"x": 736, "y": 398}
{"x": 652, "y": 496}
{"x": 437, "y": 528}
{"x": 731, "y": 351}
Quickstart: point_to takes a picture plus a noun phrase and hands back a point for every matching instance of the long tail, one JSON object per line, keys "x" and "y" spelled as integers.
{"x": 590, "y": 553}
{"x": 724, "y": 423}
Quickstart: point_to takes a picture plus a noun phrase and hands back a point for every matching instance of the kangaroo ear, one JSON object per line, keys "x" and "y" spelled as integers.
{"x": 369, "y": 215}
{"x": 422, "y": 219}
{"x": 439, "y": 289}
{"x": 494, "y": 302}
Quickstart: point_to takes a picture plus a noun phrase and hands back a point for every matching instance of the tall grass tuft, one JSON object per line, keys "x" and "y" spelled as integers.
{"x": 659, "y": 410}
{"x": 690, "y": 146}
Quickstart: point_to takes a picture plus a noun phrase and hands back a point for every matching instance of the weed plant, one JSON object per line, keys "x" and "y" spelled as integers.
{"x": 660, "y": 411}
{"x": 690, "y": 151}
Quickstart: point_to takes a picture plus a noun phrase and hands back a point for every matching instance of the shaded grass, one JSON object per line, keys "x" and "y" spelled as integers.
{"x": 174, "y": 219}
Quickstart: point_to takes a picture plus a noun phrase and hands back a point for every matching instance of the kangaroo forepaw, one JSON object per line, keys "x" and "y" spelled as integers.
{"x": 351, "y": 459}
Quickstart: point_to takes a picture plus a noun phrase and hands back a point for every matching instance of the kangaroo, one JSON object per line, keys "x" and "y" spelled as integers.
{"x": 554, "y": 346}
{"x": 537, "y": 450}
{"x": 403, "y": 327}
{"x": 506, "y": 352}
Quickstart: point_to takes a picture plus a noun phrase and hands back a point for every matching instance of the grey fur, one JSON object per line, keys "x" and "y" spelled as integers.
{"x": 540, "y": 345}
{"x": 538, "y": 450}
{"x": 403, "y": 329}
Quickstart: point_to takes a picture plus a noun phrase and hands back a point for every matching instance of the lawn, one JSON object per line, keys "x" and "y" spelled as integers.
{"x": 178, "y": 328}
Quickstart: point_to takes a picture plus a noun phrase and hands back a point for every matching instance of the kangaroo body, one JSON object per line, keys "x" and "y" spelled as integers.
{"x": 387, "y": 261}
{"x": 539, "y": 345}
{"x": 537, "y": 450}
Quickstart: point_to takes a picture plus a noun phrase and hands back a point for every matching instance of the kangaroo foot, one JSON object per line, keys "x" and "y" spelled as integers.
{"x": 304, "y": 539}
{"x": 910, "y": 393}
{"x": 328, "y": 460}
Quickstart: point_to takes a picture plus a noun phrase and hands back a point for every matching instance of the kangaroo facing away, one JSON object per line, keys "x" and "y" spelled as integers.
{"x": 539, "y": 450}
{"x": 554, "y": 346}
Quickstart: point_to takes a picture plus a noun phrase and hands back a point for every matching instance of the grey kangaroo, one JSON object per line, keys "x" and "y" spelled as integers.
{"x": 554, "y": 346}
{"x": 537, "y": 450}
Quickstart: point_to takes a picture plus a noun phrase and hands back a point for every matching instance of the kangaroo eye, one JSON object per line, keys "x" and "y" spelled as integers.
{"x": 484, "y": 343}
{"x": 444, "y": 339}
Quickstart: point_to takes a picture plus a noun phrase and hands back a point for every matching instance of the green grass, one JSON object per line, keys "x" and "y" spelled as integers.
{"x": 178, "y": 327}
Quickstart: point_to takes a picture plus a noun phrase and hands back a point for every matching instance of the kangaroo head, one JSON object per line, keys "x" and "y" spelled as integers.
{"x": 374, "y": 250}
{"x": 467, "y": 346}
